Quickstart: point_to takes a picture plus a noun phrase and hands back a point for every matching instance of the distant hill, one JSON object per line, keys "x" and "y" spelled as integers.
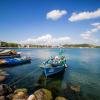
{"x": 81, "y": 45}
{"x": 15, "y": 45}
{"x": 6, "y": 44}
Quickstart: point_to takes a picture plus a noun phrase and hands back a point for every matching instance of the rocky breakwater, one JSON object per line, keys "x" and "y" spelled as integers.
{"x": 10, "y": 93}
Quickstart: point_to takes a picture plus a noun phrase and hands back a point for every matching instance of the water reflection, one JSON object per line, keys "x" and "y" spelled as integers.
{"x": 43, "y": 54}
{"x": 52, "y": 83}
{"x": 84, "y": 70}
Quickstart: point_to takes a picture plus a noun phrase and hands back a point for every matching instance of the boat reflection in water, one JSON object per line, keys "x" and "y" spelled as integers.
{"x": 53, "y": 82}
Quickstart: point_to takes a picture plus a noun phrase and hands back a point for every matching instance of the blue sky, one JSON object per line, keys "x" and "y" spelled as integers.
{"x": 33, "y": 21}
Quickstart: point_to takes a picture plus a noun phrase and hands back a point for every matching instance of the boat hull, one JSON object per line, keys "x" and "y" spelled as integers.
{"x": 9, "y": 56}
{"x": 53, "y": 70}
{"x": 13, "y": 62}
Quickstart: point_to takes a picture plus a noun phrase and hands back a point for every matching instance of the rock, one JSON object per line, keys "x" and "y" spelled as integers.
{"x": 9, "y": 97}
{"x": 60, "y": 98}
{"x": 2, "y": 90}
{"x": 20, "y": 94}
{"x": 72, "y": 92}
{"x": 75, "y": 88}
{"x": 41, "y": 94}
{"x": 2, "y": 98}
{"x": 21, "y": 90}
{"x": 3, "y": 75}
{"x": 31, "y": 97}
{"x": 2, "y": 78}
{"x": 6, "y": 92}
{"x": 5, "y": 89}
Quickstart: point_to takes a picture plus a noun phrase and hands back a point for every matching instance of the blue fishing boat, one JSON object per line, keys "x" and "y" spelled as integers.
{"x": 54, "y": 65}
{"x": 48, "y": 71}
{"x": 14, "y": 61}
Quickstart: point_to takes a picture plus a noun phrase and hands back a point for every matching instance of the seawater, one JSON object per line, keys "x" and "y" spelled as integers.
{"x": 83, "y": 69}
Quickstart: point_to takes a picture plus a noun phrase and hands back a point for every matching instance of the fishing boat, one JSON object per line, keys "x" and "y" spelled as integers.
{"x": 54, "y": 70}
{"x": 14, "y": 61}
{"x": 7, "y": 53}
{"x": 54, "y": 65}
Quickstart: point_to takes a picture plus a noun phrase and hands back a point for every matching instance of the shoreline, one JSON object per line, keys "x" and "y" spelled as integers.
{"x": 42, "y": 47}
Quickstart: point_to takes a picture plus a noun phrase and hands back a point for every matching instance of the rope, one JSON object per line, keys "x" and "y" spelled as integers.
{"x": 18, "y": 80}
{"x": 21, "y": 79}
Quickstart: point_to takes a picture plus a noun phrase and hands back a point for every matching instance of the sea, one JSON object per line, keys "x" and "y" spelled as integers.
{"x": 83, "y": 70}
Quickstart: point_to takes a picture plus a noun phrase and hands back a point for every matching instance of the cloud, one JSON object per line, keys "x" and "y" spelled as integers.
{"x": 47, "y": 40}
{"x": 84, "y": 15}
{"x": 88, "y": 34}
{"x": 96, "y": 27}
{"x": 95, "y": 24}
{"x": 56, "y": 14}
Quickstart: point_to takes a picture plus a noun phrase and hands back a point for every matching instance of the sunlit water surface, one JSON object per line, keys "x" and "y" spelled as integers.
{"x": 83, "y": 69}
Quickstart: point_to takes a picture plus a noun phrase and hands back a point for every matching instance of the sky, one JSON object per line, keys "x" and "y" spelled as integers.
{"x": 50, "y": 21}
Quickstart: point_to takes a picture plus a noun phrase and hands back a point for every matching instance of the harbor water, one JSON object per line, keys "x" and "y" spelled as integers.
{"x": 83, "y": 70}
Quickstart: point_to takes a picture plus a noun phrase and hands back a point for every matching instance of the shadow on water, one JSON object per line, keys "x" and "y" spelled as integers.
{"x": 56, "y": 85}
{"x": 52, "y": 83}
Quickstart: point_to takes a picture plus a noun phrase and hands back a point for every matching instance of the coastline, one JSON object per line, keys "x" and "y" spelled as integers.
{"x": 42, "y": 47}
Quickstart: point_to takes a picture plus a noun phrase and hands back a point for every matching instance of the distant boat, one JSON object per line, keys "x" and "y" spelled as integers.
{"x": 14, "y": 61}
{"x": 7, "y": 53}
{"x": 54, "y": 65}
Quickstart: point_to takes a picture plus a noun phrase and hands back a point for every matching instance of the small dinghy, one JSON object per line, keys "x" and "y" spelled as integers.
{"x": 54, "y": 65}
{"x": 14, "y": 61}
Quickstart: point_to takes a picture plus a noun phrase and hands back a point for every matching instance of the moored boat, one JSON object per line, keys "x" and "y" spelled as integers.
{"x": 54, "y": 66}
{"x": 7, "y": 53}
{"x": 14, "y": 61}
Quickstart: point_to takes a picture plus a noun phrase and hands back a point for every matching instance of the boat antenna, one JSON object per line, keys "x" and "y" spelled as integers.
{"x": 61, "y": 50}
